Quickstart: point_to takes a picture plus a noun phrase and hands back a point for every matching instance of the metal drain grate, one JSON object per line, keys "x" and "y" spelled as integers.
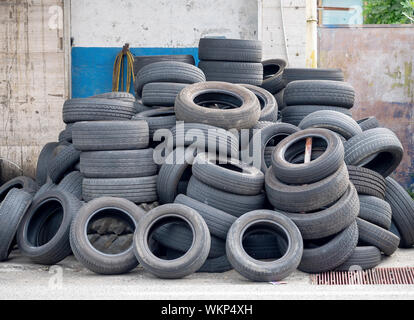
{"x": 378, "y": 276}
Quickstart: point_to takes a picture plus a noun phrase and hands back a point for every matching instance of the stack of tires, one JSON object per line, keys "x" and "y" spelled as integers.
{"x": 231, "y": 60}
{"x": 273, "y": 81}
{"x": 115, "y": 160}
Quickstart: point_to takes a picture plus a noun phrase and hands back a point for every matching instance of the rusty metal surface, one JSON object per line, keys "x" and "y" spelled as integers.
{"x": 378, "y": 61}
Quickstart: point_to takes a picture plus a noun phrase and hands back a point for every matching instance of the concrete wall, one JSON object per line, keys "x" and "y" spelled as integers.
{"x": 32, "y": 81}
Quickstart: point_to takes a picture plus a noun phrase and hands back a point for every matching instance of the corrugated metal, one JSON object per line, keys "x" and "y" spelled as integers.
{"x": 378, "y": 61}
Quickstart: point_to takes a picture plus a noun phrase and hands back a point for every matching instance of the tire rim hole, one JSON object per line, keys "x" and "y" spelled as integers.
{"x": 218, "y": 100}
{"x": 295, "y": 153}
{"x": 270, "y": 70}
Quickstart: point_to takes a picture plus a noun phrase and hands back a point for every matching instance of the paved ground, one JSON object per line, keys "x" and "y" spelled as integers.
{"x": 19, "y": 279}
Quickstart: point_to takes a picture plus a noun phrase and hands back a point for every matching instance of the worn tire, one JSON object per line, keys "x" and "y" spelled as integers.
{"x": 93, "y": 259}
{"x": 25, "y": 183}
{"x": 161, "y": 93}
{"x": 295, "y": 74}
{"x": 43, "y": 235}
{"x": 267, "y": 101}
{"x": 376, "y": 211}
{"x": 273, "y": 75}
{"x": 258, "y": 270}
{"x": 368, "y": 123}
{"x": 122, "y": 96}
{"x": 63, "y": 162}
{"x": 295, "y": 114}
{"x": 402, "y": 206}
{"x": 118, "y": 164}
{"x": 362, "y": 258}
{"x": 183, "y": 266}
{"x": 163, "y": 118}
{"x": 380, "y": 143}
{"x": 331, "y": 254}
{"x": 72, "y": 183}
{"x": 367, "y": 182}
{"x": 230, "y": 50}
{"x": 45, "y": 156}
{"x": 110, "y": 135}
{"x": 137, "y": 190}
{"x": 216, "y": 265}
{"x": 142, "y": 61}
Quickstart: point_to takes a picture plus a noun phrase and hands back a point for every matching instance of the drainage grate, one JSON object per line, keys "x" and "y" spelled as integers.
{"x": 378, "y": 276}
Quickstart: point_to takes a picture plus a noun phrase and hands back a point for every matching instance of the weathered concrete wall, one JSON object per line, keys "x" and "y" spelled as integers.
{"x": 378, "y": 61}
{"x": 294, "y": 17}
{"x": 32, "y": 85}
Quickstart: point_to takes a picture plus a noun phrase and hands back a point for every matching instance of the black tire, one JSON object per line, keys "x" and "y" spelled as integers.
{"x": 218, "y": 222}
{"x": 122, "y": 96}
{"x": 161, "y": 93}
{"x": 372, "y": 235}
{"x": 168, "y": 71}
{"x": 110, "y": 135}
{"x": 230, "y": 50}
{"x": 295, "y": 114}
{"x": 306, "y": 198}
{"x": 295, "y": 74}
{"x": 45, "y": 156}
{"x": 48, "y": 186}
{"x": 12, "y": 210}
{"x": 319, "y": 92}
{"x": 216, "y": 265}
{"x": 92, "y": 109}
{"x": 332, "y": 253}
{"x": 270, "y": 136}
{"x": 368, "y": 123}
{"x": 402, "y": 206}
{"x": 229, "y": 175}
{"x": 329, "y": 221}
{"x": 244, "y": 114}
{"x": 332, "y": 120}
{"x": 142, "y": 61}
{"x": 163, "y": 118}
{"x": 72, "y": 183}
{"x": 233, "y": 72}
{"x": 362, "y": 258}
{"x": 376, "y": 149}
{"x": 90, "y": 256}
{"x": 304, "y": 173}
{"x": 137, "y": 190}
{"x": 118, "y": 164}
{"x": 66, "y": 135}
{"x": 279, "y": 99}
{"x": 273, "y": 75}
{"x": 25, "y": 183}
{"x": 139, "y": 107}
{"x": 367, "y": 182}
{"x": 267, "y": 101}
{"x": 183, "y": 266}
{"x": 43, "y": 235}
{"x": 258, "y": 270}
{"x": 263, "y": 245}
{"x": 233, "y": 204}
{"x": 376, "y": 211}
{"x": 63, "y": 162}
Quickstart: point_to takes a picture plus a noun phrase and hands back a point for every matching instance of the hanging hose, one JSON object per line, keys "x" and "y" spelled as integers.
{"x": 118, "y": 75}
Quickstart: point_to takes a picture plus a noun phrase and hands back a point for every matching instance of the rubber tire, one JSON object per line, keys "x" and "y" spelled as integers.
{"x": 216, "y": 265}
{"x": 111, "y": 135}
{"x": 230, "y": 50}
{"x": 66, "y": 135}
{"x": 306, "y": 198}
{"x": 168, "y": 71}
{"x": 368, "y": 123}
{"x": 329, "y": 221}
{"x": 63, "y": 162}
{"x": 305, "y": 173}
{"x": 267, "y": 101}
{"x": 218, "y": 221}
{"x": 295, "y": 74}
{"x": 372, "y": 235}
{"x": 243, "y": 117}
{"x": 334, "y": 121}
{"x": 233, "y": 72}
{"x": 12, "y": 210}
{"x": 364, "y": 258}
{"x": 371, "y": 143}
{"x": 118, "y": 164}
{"x": 402, "y": 206}
{"x": 137, "y": 190}
{"x": 376, "y": 211}
{"x": 71, "y": 183}
{"x": 25, "y": 183}
{"x": 97, "y": 109}
{"x": 163, "y": 118}
{"x": 88, "y": 255}
{"x": 367, "y": 182}
{"x": 233, "y": 204}
{"x": 273, "y": 81}
{"x": 161, "y": 93}
{"x": 58, "y": 248}
{"x": 257, "y": 270}
{"x": 142, "y": 61}
{"x": 319, "y": 92}
{"x": 246, "y": 180}
{"x": 183, "y": 266}
{"x": 295, "y": 114}
{"x": 43, "y": 161}
{"x": 264, "y": 246}
{"x": 332, "y": 254}
{"x": 121, "y": 96}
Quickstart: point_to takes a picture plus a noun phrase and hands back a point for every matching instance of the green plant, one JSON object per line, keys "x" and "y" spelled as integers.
{"x": 388, "y": 11}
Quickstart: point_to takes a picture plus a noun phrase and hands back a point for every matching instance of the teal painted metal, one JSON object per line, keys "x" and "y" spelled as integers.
{"x": 352, "y": 17}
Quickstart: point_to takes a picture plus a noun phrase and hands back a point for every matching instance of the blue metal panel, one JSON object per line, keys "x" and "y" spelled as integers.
{"x": 92, "y": 67}
{"x": 343, "y": 17}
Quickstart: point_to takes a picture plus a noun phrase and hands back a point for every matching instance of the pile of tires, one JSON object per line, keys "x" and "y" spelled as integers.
{"x": 231, "y": 60}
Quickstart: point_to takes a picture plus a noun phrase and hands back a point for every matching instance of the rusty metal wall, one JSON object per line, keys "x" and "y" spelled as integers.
{"x": 32, "y": 81}
{"x": 378, "y": 61}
